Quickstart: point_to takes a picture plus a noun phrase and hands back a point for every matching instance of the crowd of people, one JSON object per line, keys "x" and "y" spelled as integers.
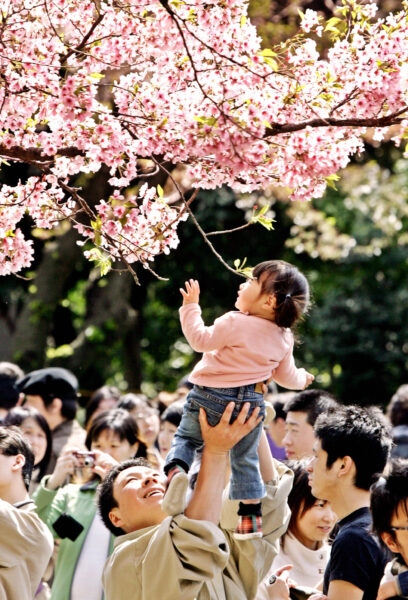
{"x": 329, "y": 533}
{"x": 223, "y": 490}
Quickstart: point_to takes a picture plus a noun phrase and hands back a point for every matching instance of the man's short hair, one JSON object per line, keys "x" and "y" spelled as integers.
{"x": 387, "y": 494}
{"x": 50, "y": 383}
{"x": 106, "y": 500}
{"x": 311, "y": 402}
{"x": 397, "y": 409}
{"x": 13, "y": 443}
{"x": 362, "y": 434}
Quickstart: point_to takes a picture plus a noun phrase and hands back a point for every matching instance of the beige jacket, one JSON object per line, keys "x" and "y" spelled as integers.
{"x": 186, "y": 559}
{"x": 25, "y": 548}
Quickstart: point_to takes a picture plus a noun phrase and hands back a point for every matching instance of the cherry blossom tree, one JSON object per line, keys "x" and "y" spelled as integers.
{"x": 143, "y": 86}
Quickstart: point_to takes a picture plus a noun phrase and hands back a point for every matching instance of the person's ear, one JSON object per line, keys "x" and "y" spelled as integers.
{"x": 270, "y": 301}
{"x": 389, "y": 541}
{"x": 346, "y": 466}
{"x": 115, "y": 517}
{"x": 55, "y": 407}
{"x": 18, "y": 463}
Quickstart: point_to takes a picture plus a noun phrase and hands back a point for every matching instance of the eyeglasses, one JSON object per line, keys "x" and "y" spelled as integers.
{"x": 399, "y": 528}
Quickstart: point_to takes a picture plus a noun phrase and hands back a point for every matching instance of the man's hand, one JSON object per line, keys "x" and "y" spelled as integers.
{"x": 279, "y": 588}
{"x": 221, "y": 438}
{"x": 387, "y": 590}
{"x": 192, "y": 292}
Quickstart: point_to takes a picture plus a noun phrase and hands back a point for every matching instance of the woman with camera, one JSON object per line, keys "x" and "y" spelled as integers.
{"x": 70, "y": 512}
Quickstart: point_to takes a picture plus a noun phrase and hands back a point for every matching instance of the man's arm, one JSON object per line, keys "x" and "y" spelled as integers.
{"x": 340, "y": 590}
{"x": 206, "y": 501}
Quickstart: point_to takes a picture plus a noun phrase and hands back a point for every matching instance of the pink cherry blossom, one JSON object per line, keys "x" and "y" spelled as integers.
{"x": 88, "y": 85}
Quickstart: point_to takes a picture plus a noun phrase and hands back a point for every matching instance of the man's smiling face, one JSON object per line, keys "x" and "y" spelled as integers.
{"x": 139, "y": 493}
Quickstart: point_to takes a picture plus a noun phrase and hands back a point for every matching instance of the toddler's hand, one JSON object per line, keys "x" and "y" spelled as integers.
{"x": 309, "y": 379}
{"x": 192, "y": 292}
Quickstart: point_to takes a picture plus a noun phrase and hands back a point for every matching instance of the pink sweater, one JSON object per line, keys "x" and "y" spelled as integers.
{"x": 240, "y": 349}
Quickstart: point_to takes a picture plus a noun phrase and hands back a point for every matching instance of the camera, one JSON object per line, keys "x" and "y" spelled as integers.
{"x": 67, "y": 527}
{"x": 84, "y": 459}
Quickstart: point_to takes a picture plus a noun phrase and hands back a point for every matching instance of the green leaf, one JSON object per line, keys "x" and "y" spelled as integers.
{"x": 160, "y": 191}
{"x": 211, "y": 121}
{"x": 96, "y": 75}
{"x": 243, "y": 20}
{"x": 259, "y": 217}
{"x": 272, "y": 63}
{"x": 241, "y": 268}
{"x": 330, "y": 179}
{"x": 267, "y": 52}
{"x": 102, "y": 260}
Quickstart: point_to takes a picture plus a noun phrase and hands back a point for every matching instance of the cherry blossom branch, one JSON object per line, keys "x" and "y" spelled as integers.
{"x": 31, "y": 155}
{"x": 230, "y": 230}
{"x": 78, "y": 48}
{"x": 386, "y": 121}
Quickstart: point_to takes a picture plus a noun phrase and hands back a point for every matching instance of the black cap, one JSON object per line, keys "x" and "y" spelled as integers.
{"x": 53, "y": 381}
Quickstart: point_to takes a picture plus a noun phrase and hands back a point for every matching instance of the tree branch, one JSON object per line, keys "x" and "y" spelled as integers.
{"x": 30, "y": 155}
{"x": 392, "y": 119}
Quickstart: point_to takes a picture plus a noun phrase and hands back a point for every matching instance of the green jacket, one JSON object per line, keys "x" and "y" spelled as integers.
{"x": 79, "y": 502}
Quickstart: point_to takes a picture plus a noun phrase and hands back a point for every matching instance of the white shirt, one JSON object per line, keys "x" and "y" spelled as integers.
{"x": 308, "y": 565}
{"x": 87, "y": 580}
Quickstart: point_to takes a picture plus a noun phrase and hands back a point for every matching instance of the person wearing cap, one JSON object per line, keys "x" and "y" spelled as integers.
{"x": 53, "y": 391}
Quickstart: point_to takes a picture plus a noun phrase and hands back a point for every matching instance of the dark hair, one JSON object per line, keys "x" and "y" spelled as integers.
{"x": 173, "y": 414}
{"x": 16, "y": 416}
{"x": 9, "y": 392}
{"x": 387, "y": 494}
{"x": 278, "y": 402}
{"x": 362, "y": 434}
{"x": 289, "y": 287}
{"x": 397, "y": 409}
{"x": 68, "y": 404}
{"x": 300, "y": 499}
{"x": 106, "y": 500}
{"x": 102, "y": 393}
{"x": 131, "y": 401}
{"x": 12, "y": 443}
{"x": 122, "y": 423}
{"x": 311, "y": 402}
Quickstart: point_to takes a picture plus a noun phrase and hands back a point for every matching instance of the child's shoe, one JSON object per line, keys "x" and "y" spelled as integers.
{"x": 250, "y": 522}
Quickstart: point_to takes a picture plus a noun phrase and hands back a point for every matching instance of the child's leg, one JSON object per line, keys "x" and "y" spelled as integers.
{"x": 247, "y": 485}
{"x": 185, "y": 441}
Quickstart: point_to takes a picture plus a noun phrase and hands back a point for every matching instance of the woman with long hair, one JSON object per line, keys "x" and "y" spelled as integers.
{"x": 35, "y": 429}
{"x": 70, "y": 510}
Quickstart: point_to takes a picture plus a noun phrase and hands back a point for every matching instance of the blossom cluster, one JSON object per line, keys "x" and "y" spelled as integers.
{"x": 136, "y": 228}
{"x": 88, "y": 84}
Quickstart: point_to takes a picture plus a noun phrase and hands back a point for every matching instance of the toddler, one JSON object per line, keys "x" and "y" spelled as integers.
{"x": 242, "y": 350}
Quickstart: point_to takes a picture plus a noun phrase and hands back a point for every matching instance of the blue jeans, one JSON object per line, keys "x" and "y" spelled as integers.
{"x": 246, "y": 481}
